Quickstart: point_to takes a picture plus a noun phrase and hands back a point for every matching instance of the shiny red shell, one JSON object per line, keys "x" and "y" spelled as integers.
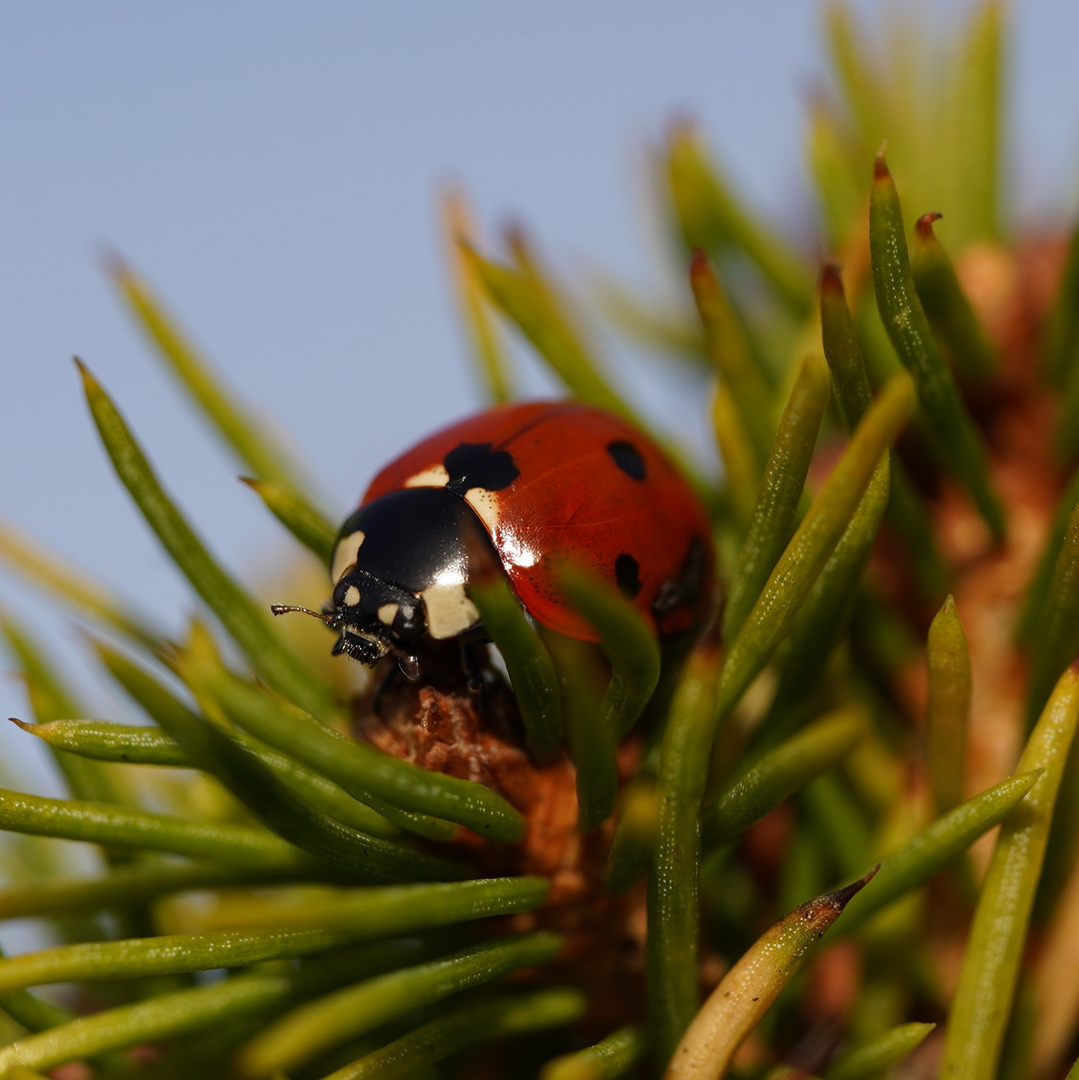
{"x": 591, "y": 489}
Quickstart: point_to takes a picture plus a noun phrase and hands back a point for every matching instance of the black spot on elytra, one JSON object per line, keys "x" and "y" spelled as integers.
{"x": 627, "y": 457}
{"x": 685, "y": 589}
{"x": 628, "y": 575}
{"x": 473, "y": 465}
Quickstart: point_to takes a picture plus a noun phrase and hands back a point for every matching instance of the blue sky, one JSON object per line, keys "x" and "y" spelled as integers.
{"x": 272, "y": 168}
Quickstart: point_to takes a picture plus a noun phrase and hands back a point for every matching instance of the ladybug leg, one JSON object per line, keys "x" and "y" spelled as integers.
{"x": 409, "y": 666}
{"x": 405, "y": 668}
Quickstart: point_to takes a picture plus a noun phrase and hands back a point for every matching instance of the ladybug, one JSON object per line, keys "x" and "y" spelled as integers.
{"x": 522, "y": 488}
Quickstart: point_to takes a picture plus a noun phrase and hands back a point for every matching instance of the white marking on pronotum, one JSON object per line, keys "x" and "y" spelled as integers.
{"x": 436, "y": 476}
{"x": 352, "y": 596}
{"x": 486, "y": 505}
{"x": 449, "y": 610}
{"x": 345, "y": 554}
{"x": 388, "y": 612}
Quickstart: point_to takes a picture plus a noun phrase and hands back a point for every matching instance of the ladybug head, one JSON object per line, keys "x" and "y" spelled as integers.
{"x": 399, "y": 571}
{"x": 373, "y": 616}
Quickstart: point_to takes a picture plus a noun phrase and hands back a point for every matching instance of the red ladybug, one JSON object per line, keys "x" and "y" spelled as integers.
{"x": 527, "y": 487}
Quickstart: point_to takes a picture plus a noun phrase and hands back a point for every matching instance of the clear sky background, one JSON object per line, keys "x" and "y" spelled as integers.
{"x": 272, "y": 168}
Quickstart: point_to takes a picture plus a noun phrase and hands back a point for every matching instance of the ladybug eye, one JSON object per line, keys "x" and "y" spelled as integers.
{"x": 409, "y": 622}
{"x": 345, "y": 595}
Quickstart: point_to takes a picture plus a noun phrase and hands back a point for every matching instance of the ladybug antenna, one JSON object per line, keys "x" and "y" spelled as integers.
{"x": 284, "y": 609}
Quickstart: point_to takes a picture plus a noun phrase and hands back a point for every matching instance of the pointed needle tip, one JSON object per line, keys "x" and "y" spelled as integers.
{"x": 88, "y": 381}
{"x": 841, "y": 897}
{"x": 681, "y": 126}
{"x": 450, "y": 193}
{"x": 924, "y": 224}
{"x": 831, "y": 280}
{"x": 113, "y": 263}
{"x": 514, "y": 234}
{"x": 880, "y": 166}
